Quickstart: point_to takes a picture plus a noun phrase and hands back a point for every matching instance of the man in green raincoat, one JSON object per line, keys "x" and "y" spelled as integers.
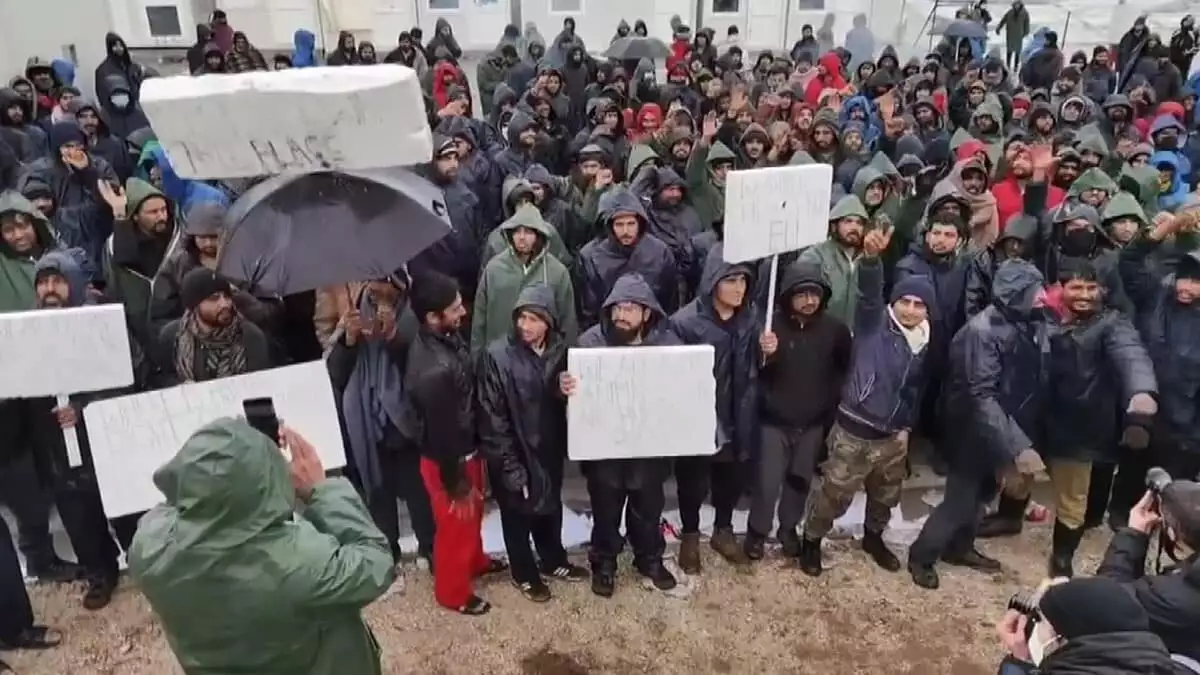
{"x": 255, "y": 566}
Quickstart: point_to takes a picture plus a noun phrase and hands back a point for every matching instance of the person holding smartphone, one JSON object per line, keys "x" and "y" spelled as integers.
{"x": 259, "y": 563}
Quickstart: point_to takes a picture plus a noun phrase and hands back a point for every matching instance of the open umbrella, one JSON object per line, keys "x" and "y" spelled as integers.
{"x": 964, "y": 29}
{"x": 637, "y": 48}
{"x": 294, "y": 233}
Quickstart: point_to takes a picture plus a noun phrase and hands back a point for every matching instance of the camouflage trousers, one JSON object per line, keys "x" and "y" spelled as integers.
{"x": 855, "y": 464}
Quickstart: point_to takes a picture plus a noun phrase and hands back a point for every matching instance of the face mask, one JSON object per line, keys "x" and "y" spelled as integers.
{"x": 120, "y": 100}
{"x": 1040, "y": 645}
{"x": 1079, "y": 242}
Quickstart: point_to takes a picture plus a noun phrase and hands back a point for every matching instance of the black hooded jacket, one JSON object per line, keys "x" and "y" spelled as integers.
{"x": 118, "y": 73}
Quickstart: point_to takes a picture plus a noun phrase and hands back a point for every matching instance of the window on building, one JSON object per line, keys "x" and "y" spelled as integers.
{"x": 810, "y": 4}
{"x": 566, "y": 6}
{"x": 164, "y": 21}
{"x": 726, "y": 6}
{"x": 443, "y": 4}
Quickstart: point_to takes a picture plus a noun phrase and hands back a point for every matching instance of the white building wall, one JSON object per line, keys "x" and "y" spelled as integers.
{"x": 51, "y": 29}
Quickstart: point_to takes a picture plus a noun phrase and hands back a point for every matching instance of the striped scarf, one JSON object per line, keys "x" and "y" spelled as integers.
{"x": 221, "y": 350}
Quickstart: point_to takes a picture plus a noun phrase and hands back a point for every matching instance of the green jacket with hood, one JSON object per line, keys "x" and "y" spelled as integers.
{"x": 1142, "y": 183}
{"x": 870, "y": 173}
{"x": 839, "y": 271}
{"x": 241, "y": 581}
{"x": 497, "y": 243}
{"x": 504, "y": 277}
{"x": 705, "y": 196}
{"x": 123, "y": 284}
{"x": 16, "y": 271}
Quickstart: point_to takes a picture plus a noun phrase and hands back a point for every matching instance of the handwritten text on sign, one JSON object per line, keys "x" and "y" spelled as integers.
{"x": 642, "y": 402}
{"x": 776, "y": 210}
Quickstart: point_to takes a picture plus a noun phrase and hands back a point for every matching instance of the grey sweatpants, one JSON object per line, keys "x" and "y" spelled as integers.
{"x": 786, "y": 460}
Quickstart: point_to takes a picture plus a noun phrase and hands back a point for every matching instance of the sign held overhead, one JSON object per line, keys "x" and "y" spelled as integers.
{"x": 776, "y": 210}
{"x": 289, "y": 121}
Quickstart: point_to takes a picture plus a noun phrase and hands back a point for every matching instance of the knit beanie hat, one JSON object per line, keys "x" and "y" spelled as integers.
{"x": 199, "y": 285}
{"x": 1092, "y": 606}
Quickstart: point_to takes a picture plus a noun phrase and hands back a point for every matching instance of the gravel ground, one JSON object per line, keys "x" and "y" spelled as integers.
{"x": 854, "y": 619}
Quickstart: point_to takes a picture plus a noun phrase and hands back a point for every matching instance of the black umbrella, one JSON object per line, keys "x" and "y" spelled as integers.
{"x": 966, "y": 30}
{"x": 298, "y": 232}
{"x": 637, "y": 48}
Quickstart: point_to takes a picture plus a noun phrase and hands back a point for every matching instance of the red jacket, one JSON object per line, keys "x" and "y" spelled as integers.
{"x": 832, "y": 79}
{"x": 1010, "y": 199}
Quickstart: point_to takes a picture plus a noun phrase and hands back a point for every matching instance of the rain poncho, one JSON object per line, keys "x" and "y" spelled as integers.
{"x": 239, "y": 581}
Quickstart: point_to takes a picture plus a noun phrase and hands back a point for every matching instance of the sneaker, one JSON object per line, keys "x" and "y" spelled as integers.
{"x": 661, "y": 577}
{"x": 604, "y": 584}
{"x": 534, "y": 591}
{"x": 569, "y": 572}
{"x": 99, "y": 594}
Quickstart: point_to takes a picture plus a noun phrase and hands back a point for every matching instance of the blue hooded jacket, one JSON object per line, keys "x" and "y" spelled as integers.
{"x": 185, "y": 192}
{"x": 1174, "y": 197}
{"x": 1035, "y": 44}
{"x": 1164, "y": 122}
{"x": 304, "y": 54}
{"x": 64, "y": 70}
{"x": 872, "y": 124}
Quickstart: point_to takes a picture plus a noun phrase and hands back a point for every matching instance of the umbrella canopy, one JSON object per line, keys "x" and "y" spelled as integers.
{"x": 965, "y": 29}
{"x": 294, "y": 233}
{"x": 637, "y": 48}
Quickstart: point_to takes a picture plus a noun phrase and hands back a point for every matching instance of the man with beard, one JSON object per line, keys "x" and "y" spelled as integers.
{"x": 143, "y": 235}
{"x": 456, "y": 254}
{"x": 710, "y": 161}
{"x": 722, "y": 317}
{"x": 522, "y": 137}
{"x": 521, "y": 421}
{"x": 212, "y": 340}
{"x": 806, "y": 356}
{"x": 1075, "y": 233}
{"x": 675, "y": 223}
{"x": 1017, "y": 241}
{"x": 632, "y": 488}
{"x": 993, "y": 396}
{"x": 1065, "y": 170}
{"x": 60, "y": 283}
{"x": 868, "y": 445}
{"x": 439, "y": 414}
{"x": 1097, "y": 363}
{"x": 627, "y": 248}
{"x": 407, "y": 54}
{"x": 100, "y": 141}
{"x": 837, "y": 256}
{"x": 1026, "y": 166}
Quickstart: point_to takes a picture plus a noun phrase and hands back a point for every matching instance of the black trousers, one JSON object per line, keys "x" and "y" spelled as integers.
{"x": 16, "y": 614}
{"x": 1012, "y": 58}
{"x": 693, "y": 478}
{"x": 21, "y": 490}
{"x": 125, "y": 527}
{"x": 402, "y": 481}
{"x": 545, "y": 529}
{"x": 83, "y": 518}
{"x": 951, "y": 527}
{"x": 643, "y": 521}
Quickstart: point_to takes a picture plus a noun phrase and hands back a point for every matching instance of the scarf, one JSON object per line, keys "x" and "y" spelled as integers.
{"x": 985, "y": 221}
{"x": 916, "y": 337}
{"x": 220, "y": 351}
{"x": 373, "y": 399}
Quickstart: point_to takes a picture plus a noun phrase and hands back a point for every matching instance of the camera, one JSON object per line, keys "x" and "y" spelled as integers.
{"x": 1026, "y": 604}
{"x": 1157, "y": 480}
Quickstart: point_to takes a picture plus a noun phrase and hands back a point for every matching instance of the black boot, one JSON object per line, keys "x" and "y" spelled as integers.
{"x": 873, "y": 546}
{"x": 604, "y": 582}
{"x": 1006, "y": 521}
{"x": 754, "y": 545}
{"x": 810, "y": 556}
{"x": 790, "y": 542}
{"x": 1066, "y": 541}
{"x": 923, "y": 575}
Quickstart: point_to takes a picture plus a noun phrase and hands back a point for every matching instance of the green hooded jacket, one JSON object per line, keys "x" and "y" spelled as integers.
{"x": 870, "y": 173}
{"x": 1123, "y": 205}
{"x": 1142, "y": 183}
{"x": 241, "y": 581}
{"x": 489, "y": 74}
{"x": 16, "y": 271}
{"x": 504, "y": 277}
{"x": 706, "y": 197}
{"x": 839, "y": 271}
{"x": 123, "y": 284}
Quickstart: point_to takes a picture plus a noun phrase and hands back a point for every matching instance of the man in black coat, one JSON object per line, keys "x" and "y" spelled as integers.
{"x": 631, "y": 317}
{"x": 440, "y": 417}
{"x": 521, "y": 418}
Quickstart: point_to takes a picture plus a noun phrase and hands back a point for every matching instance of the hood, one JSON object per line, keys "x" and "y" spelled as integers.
{"x": 947, "y": 190}
{"x": 64, "y": 70}
{"x": 802, "y": 274}
{"x": 1165, "y": 122}
{"x": 990, "y": 108}
{"x": 1141, "y": 181}
{"x": 526, "y": 216}
{"x": 12, "y": 201}
{"x": 1021, "y": 226}
{"x": 1072, "y": 210}
{"x": 304, "y": 40}
{"x": 620, "y": 200}
{"x": 503, "y": 95}
{"x": 863, "y": 179}
{"x": 719, "y": 152}
{"x": 65, "y": 263}
{"x": 539, "y": 299}
{"x": 1092, "y": 179}
{"x": 1014, "y": 288}
{"x": 639, "y": 154}
{"x": 521, "y": 121}
{"x": 1092, "y": 142}
{"x": 846, "y": 207}
{"x": 631, "y": 287}
{"x": 458, "y": 127}
{"x": 228, "y": 483}
{"x": 1168, "y": 158}
{"x": 512, "y": 188}
{"x": 137, "y": 191}
{"x": 716, "y": 269}
{"x": 665, "y": 177}
{"x": 540, "y": 175}
{"x": 1123, "y": 205}
{"x": 204, "y": 34}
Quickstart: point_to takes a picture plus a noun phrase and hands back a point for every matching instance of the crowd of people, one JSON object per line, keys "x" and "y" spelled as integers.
{"x": 1012, "y": 272}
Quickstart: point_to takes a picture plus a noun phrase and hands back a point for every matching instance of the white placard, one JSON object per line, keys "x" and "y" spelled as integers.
{"x": 52, "y": 352}
{"x": 634, "y": 402}
{"x": 132, "y": 436}
{"x": 776, "y": 210}
{"x": 297, "y": 120}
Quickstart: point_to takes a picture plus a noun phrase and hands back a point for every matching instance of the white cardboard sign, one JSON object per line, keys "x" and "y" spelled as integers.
{"x": 132, "y": 436}
{"x": 775, "y": 210}
{"x": 297, "y": 120}
{"x": 637, "y": 402}
{"x": 52, "y": 352}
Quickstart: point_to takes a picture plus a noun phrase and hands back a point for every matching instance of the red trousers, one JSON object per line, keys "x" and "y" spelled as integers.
{"x": 457, "y": 540}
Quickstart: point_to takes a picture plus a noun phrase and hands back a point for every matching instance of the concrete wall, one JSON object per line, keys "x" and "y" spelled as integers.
{"x": 50, "y": 29}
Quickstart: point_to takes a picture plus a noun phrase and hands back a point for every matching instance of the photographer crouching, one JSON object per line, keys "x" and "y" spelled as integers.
{"x": 1172, "y": 597}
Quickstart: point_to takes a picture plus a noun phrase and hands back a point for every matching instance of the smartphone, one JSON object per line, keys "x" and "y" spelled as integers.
{"x": 260, "y": 414}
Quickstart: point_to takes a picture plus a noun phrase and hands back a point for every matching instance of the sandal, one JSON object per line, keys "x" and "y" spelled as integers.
{"x": 34, "y": 637}
{"x": 495, "y": 566}
{"x": 536, "y": 591}
{"x": 476, "y": 606}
